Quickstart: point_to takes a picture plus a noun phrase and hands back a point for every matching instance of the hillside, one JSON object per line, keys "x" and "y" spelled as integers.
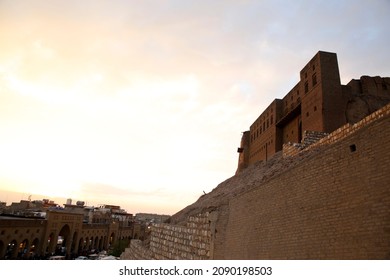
{"x": 246, "y": 180}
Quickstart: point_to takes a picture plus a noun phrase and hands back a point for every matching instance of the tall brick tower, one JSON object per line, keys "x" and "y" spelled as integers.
{"x": 315, "y": 103}
{"x": 323, "y": 105}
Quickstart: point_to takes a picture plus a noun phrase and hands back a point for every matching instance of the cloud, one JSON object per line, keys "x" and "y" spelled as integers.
{"x": 138, "y": 96}
{"x": 100, "y": 189}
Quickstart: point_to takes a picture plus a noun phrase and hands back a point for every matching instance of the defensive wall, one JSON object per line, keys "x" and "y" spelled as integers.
{"x": 194, "y": 241}
{"x": 314, "y": 139}
{"x": 328, "y": 199}
{"x": 335, "y": 204}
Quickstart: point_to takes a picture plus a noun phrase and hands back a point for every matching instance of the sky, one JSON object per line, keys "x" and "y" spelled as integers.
{"x": 142, "y": 103}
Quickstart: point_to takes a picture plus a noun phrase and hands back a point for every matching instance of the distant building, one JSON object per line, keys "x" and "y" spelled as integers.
{"x": 69, "y": 230}
{"x": 318, "y": 102}
{"x": 151, "y": 218}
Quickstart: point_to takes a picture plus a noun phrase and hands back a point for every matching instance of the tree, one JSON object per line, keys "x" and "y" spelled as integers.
{"x": 119, "y": 247}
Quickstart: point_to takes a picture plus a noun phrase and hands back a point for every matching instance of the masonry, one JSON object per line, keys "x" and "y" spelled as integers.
{"x": 324, "y": 195}
{"x": 194, "y": 241}
{"x": 329, "y": 200}
{"x": 335, "y": 204}
{"x": 318, "y": 102}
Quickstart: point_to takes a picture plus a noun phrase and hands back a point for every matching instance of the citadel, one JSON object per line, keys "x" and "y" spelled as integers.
{"x": 312, "y": 182}
{"x": 318, "y": 102}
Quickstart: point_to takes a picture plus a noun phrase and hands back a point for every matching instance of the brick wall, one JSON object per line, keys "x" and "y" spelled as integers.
{"x": 313, "y": 139}
{"x": 194, "y": 241}
{"x": 334, "y": 204}
{"x": 309, "y": 138}
{"x": 329, "y": 200}
{"x": 137, "y": 251}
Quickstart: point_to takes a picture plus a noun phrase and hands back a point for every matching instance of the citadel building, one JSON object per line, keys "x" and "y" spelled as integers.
{"x": 318, "y": 102}
{"x": 312, "y": 181}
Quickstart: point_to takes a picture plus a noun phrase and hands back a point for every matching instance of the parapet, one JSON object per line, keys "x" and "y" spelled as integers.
{"x": 317, "y": 139}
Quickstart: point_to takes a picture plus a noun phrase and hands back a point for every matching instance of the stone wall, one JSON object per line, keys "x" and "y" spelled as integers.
{"x": 137, "y": 251}
{"x": 194, "y": 241}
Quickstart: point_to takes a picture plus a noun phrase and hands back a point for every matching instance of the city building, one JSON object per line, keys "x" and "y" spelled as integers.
{"x": 38, "y": 229}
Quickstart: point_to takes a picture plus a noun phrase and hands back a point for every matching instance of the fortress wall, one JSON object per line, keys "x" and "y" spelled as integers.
{"x": 136, "y": 251}
{"x": 334, "y": 205}
{"x": 292, "y": 149}
{"x": 169, "y": 242}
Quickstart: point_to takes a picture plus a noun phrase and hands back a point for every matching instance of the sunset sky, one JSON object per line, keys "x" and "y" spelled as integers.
{"x": 142, "y": 103}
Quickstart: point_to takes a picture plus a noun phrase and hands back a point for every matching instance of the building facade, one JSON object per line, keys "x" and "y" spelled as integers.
{"x": 70, "y": 230}
{"x": 318, "y": 102}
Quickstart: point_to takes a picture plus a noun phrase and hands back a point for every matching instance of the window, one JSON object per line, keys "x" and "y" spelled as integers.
{"x": 315, "y": 108}
{"x": 314, "y": 79}
{"x": 307, "y": 114}
{"x": 306, "y": 87}
{"x": 272, "y": 119}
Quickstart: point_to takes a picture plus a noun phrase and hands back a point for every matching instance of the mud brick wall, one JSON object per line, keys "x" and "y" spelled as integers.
{"x": 292, "y": 149}
{"x": 335, "y": 204}
{"x": 309, "y": 138}
{"x": 194, "y": 241}
{"x": 313, "y": 139}
{"x": 191, "y": 242}
{"x": 137, "y": 251}
{"x": 348, "y": 129}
